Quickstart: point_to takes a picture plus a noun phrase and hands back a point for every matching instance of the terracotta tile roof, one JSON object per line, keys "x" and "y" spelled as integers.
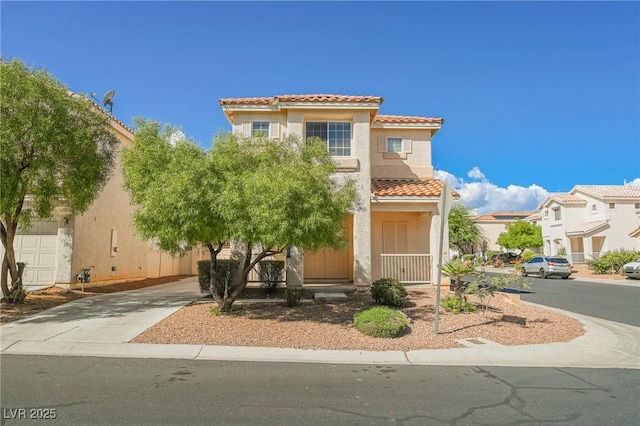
{"x": 564, "y": 197}
{"x": 610, "y": 191}
{"x": 505, "y": 215}
{"x": 246, "y": 101}
{"x": 112, "y": 118}
{"x": 408, "y": 188}
{"x": 512, "y": 213}
{"x": 406, "y": 119}
{"x": 585, "y": 227}
{"x": 321, "y": 98}
{"x": 329, "y": 98}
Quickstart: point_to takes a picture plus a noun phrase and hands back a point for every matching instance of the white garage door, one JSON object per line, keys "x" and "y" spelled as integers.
{"x": 37, "y": 248}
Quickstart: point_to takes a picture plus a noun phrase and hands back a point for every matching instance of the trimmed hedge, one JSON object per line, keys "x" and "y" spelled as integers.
{"x": 381, "y": 321}
{"x": 225, "y": 270}
{"x": 389, "y": 291}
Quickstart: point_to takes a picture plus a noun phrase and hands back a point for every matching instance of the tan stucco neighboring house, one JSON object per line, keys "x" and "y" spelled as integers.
{"x": 494, "y": 224}
{"x": 103, "y": 237}
{"x": 589, "y": 220}
{"x": 395, "y": 232}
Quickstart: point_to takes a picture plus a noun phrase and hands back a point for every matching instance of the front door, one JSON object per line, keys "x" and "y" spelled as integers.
{"x": 329, "y": 263}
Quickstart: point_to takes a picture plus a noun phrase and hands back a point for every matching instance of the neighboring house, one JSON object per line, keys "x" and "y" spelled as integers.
{"x": 589, "y": 220}
{"x": 494, "y": 224}
{"x": 635, "y": 234}
{"x": 396, "y": 231}
{"x": 103, "y": 238}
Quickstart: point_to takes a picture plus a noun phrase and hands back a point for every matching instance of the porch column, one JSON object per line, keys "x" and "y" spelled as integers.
{"x": 587, "y": 244}
{"x": 64, "y": 251}
{"x": 362, "y": 271}
{"x": 295, "y": 268}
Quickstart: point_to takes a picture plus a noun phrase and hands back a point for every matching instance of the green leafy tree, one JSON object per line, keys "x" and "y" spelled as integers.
{"x": 521, "y": 235}
{"x": 263, "y": 195}
{"x": 57, "y": 150}
{"x": 464, "y": 233}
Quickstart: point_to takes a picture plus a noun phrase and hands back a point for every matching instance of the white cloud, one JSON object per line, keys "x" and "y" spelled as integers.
{"x": 635, "y": 182}
{"x": 475, "y": 173}
{"x": 483, "y": 197}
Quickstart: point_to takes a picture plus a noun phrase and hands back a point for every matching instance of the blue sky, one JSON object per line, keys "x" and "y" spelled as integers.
{"x": 537, "y": 96}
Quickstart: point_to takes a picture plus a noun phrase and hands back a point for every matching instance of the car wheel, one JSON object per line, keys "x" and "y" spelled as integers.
{"x": 565, "y": 277}
{"x": 543, "y": 274}
{"x": 524, "y": 272}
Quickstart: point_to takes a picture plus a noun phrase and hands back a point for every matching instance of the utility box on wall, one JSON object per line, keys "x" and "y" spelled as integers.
{"x": 114, "y": 242}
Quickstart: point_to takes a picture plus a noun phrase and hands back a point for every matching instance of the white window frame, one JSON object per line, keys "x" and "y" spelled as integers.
{"x": 397, "y": 143}
{"x": 260, "y": 132}
{"x": 345, "y": 150}
{"x": 557, "y": 213}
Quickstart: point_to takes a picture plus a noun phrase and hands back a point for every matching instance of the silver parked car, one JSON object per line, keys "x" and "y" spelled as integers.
{"x": 547, "y": 266}
{"x": 632, "y": 269}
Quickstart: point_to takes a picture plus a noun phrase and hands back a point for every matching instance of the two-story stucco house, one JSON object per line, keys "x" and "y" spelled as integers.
{"x": 395, "y": 233}
{"x": 494, "y": 224}
{"x": 102, "y": 237}
{"x": 589, "y": 220}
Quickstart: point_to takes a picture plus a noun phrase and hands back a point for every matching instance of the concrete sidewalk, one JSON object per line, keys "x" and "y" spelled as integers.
{"x": 102, "y": 326}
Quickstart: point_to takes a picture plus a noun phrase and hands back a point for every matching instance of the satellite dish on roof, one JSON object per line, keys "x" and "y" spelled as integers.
{"x": 107, "y": 99}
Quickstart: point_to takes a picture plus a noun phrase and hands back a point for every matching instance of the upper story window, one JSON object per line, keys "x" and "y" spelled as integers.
{"x": 394, "y": 145}
{"x": 545, "y": 213}
{"x": 612, "y": 205}
{"x": 594, "y": 208}
{"x": 337, "y": 135}
{"x": 557, "y": 214}
{"x": 260, "y": 129}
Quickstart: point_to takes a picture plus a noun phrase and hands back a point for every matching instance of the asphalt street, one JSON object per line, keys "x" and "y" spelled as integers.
{"x": 613, "y": 302}
{"x": 112, "y": 391}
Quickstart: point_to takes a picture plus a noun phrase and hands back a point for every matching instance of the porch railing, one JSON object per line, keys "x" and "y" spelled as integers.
{"x": 407, "y": 268}
{"x": 577, "y": 257}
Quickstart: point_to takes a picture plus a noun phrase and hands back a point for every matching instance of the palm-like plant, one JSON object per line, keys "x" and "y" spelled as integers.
{"x": 455, "y": 270}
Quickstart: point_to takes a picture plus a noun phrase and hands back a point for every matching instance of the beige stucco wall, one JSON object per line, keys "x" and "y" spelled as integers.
{"x": 357, "y": 167}
{"x": 92, "y": 233}
{"x": 418, "y": 233}
{"x": 415, "y": 164}
{"x": 492, "y": 230}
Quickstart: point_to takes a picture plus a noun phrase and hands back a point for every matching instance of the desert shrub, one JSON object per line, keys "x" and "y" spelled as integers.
{"x": 389, "y": 291}
{"x": 468, "y": 256}
{"x": 527, "y": 255}
{"x": 484, "y": 286}
{"x": 271, "y": 273}
{"x": 456, "y": 304}
{"x": 381, "y": 321}
{"x": 611, "y": 262}
{"x": 292, "y": 297}
{"x": 225, "y": 270}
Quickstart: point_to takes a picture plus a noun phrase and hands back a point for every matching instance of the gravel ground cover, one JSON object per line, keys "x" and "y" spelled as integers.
{"x": 328, "y": 325}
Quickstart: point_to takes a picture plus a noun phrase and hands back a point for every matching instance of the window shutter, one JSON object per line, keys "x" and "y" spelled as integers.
{"x": 382, "y": 144}
{"x": 406, "y": 145}
{"x": 246, "y": 129}
{"x": 274, "y": 130}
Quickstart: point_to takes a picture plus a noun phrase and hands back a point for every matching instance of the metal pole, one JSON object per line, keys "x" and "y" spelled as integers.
{"x": 442, "y": 207}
